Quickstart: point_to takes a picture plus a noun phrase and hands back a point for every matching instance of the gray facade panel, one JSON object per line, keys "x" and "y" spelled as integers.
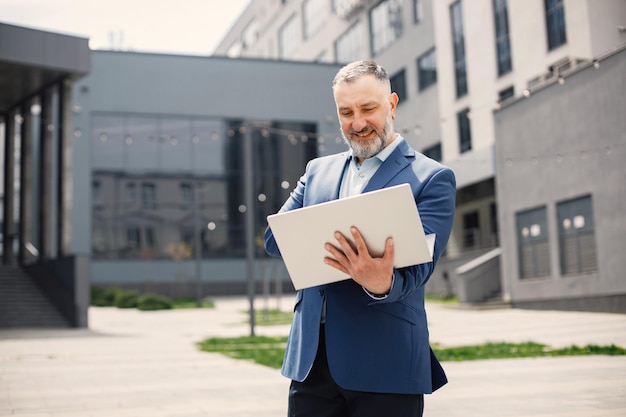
{"x": 566, "y": 141}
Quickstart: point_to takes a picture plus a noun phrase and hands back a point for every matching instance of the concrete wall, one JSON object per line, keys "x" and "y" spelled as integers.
{"x": 562, "y": 142}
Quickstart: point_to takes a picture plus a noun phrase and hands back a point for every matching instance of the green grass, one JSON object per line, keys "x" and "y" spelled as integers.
{"x": 270, "y": 317}
{"x": 269, "y": 351}
{"x": 263, "y": 350}
{"x": 501, "y": 350}
{"x": 191, "y": 303}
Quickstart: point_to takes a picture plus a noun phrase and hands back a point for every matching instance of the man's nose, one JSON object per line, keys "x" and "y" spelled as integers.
{"x": 358, "y": 123}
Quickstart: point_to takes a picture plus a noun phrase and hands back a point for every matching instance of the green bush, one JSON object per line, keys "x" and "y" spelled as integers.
{"x": 103, "y": 297}
{"x": 148, "y": 302}
{"x": 126, "y": 299}
{"x": 118, "y": 297}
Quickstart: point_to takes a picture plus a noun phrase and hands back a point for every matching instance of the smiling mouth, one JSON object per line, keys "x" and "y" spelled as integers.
{"x": 363, "y": 134}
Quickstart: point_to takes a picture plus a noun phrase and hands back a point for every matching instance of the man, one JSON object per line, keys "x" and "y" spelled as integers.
{"x": 360, "y": 347}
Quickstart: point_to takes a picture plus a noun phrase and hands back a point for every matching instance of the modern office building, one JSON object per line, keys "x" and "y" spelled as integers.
{"x": 179, "y": 159}
{"x": 42, "y": 280}
{"x": 453, "y": 63}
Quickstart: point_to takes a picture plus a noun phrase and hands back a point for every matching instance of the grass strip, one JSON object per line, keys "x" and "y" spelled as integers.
{"x": 502, "y": 350}
{"x": 269, "y": 351}
{"x": 264, "y": 350}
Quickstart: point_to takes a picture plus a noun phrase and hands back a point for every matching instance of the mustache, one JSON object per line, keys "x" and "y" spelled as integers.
{"x": 367, "y": 129}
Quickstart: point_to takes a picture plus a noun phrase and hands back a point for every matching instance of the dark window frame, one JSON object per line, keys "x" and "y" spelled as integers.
{"x": 555, "y": 23}
{"x": 503, "y": 42}
{"x": 465, "y": 131}
{"x": 398, "y": 85}
{"x": 458, "y": 46}
{"x": 426, "y": 73}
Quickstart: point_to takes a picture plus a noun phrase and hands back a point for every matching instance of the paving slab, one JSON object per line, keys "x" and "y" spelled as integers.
{"x": 146, "y": 364}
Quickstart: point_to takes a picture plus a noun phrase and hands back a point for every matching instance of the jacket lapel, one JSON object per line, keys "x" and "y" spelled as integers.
{"x": 399, "y": 158}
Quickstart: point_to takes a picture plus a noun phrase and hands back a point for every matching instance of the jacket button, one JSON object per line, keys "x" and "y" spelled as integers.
{"x": 321, "y": 291}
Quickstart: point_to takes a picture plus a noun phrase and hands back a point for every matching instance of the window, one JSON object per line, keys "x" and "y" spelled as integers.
{"x": 471, "y": 230}
{"x": 506, "y": 93}
{"x": 418, "y": 13}
{"x": 427, "y": 69}
{"x": 577, "y": 236}
{"x": 133, "y": 237}
{"x": 148, "y": 196}
{"x": 130, "y": 195}
{"x": 398, "y": 84}
{"x": 135, "y": 169}
{"x": 458, "y": 44}
{"x": 555, "y": 23}
{"x": 434, "y": 152}
{"x": 503, "y": 46}
{"x": 385, "y": 24}
{"x": 315, "y": 13}
{"x": 465, "y": 135}
{"x": 150, "y": 240}
{"x": 288, "y": 38}
{"x": 349, "y": 47}
{"x": 186, "y": 193}
{"x": 96, "y": 191}
{"x": 532, "y": 241}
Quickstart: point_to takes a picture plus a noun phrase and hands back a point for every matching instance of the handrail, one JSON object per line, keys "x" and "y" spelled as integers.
{"x": 476, "y": 262}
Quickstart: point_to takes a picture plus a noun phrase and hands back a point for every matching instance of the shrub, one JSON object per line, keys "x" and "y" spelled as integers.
{"x": 103, "y": 297}
{"x": 126, "y": 299}
{"x": 149, "y": 302}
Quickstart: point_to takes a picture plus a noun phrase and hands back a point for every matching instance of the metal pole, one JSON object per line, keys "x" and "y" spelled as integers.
{"x": 249, "y": 219}
{"x": 8, "y": 227}
{"x": 196, "y": 243}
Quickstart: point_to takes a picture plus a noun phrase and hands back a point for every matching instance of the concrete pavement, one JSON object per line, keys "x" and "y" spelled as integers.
{"x": 145, "y": 364}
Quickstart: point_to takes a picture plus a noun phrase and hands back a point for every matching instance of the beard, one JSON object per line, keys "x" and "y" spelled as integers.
{"x": 366, "y": 149}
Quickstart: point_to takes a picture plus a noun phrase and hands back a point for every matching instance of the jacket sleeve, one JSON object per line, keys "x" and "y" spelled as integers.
{"x": 436, "y": 206}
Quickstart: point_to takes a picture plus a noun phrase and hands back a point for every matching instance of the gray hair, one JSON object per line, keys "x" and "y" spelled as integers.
{"x": 357, "y": 69}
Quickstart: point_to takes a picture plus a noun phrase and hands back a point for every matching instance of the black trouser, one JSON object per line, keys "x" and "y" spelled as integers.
{"x": 320, "y": 396}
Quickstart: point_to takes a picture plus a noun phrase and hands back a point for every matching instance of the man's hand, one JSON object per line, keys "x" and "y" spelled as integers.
{"x": 373, "y": 274}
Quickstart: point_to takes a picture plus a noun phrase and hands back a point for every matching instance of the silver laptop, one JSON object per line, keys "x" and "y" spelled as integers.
{"x": 388, "y": 212}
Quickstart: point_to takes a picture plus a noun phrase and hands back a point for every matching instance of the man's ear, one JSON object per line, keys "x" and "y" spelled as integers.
{"x": 393, "y": 103}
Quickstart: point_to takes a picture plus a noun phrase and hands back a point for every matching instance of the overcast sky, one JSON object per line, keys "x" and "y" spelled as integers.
{"x": 167, "y": 26}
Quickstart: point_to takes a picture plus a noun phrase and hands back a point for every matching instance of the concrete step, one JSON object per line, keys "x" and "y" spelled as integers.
{"x": 23, "y": 305}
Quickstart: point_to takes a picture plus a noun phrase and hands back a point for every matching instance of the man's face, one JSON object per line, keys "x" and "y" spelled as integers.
{"x": 366, "y": 111}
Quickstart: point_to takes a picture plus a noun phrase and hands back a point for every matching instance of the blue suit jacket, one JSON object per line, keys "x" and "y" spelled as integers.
{"x": 372, "y": 345}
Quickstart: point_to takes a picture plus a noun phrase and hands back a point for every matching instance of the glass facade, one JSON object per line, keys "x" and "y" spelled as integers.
{"x": 159, "y": 182}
